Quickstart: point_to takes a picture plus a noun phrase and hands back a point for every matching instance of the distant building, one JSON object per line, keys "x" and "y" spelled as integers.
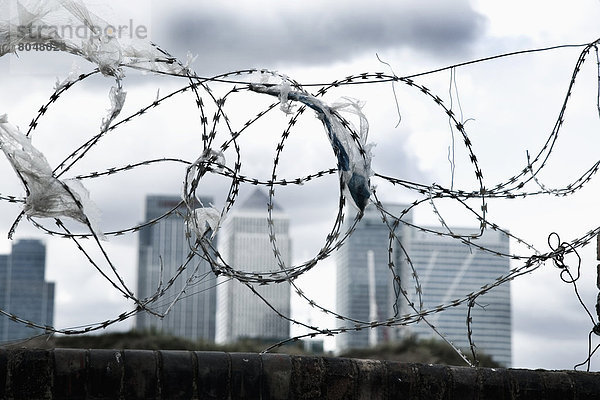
{"x": 24, "y": 291}
{"x": 448, "y": 270}
{"x": 354, "y": 294}
{"x": 313, "y": 346}
{"x": 193, "y": 316}
{"x": 244, "y": 244}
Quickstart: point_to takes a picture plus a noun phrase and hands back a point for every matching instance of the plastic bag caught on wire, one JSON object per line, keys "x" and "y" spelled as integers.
{"x": 200, "y": 219}
{"x": 117, "y": 100}
{"x": 359, "y": 169}
{"x": 353, "y": 153}
{"x": 47, "y": 196}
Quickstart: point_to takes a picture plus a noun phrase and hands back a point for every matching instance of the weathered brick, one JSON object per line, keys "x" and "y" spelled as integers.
{"x": 139, "y": 374}
{"x": 246, "y": 370}
{"x": 276, "y": 376}
{"x": 586, "y": 385}
{"x": 403, "y": 380}
{"x": 140, "y": 378}
{"x": 3, "y": 372}
{"x": 70, "y": 367}
{"x": 435, "y": 382}
{"x": 464, "y": 383}
{"x": 29, "y": 374}
{"x": 526, "y": 384}
{"x": 176, "y": 375}
{"x": 307, "y": 377}
{"x": 341, "y": 377}
{"x": 558, "y": 385}
{"x": 372, "y": 382}
{"x": 213, "y": 374}
{"x": 105, "y": 374}
{"x": 493, "y": 384}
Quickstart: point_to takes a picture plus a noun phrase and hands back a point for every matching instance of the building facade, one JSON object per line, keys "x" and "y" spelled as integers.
{"x": 244, "y": 244}
{"x": 367, "y": 293}
{"x": 164, "y": 245}
{"x": 24, "y": 291}
{"x": 449, "y": 270}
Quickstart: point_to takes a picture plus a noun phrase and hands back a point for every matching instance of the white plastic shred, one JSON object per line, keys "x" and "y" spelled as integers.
{"x": 106, "y": 53}
{"x": 47, "y": 196}
{"x": 285, "y": 104}
{"x": 117, "y": 100}
{"x": 213, "y": 159}
{"x": 204, "y": 218}
{"x": 72, "y": 77}
{"x": 190, "y": 58}
{"x": 201, "y": 218}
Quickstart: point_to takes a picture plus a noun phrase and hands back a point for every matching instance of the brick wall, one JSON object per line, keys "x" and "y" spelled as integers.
{"x": 144, "y": 374}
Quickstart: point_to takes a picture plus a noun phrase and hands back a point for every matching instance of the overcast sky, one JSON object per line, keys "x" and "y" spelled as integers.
{"x": 510, "y": 104}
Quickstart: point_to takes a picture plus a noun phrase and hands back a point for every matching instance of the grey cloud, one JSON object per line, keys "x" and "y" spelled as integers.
{"x": 555, "y": 323}
{"x": 320, "y": 36}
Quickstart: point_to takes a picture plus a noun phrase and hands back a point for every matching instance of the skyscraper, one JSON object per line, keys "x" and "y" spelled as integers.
{"x": 23, "y": 290}
{"x": 165, "y": 242}
{"x": 364, "y": 293}
{"x": 244, "y": 244}
{"x": 448, "y": 270}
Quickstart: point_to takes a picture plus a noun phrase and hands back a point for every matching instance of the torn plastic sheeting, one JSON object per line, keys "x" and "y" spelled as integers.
{"x": 354, "y": 168}
{"x": 101, "y": 49}
{"x": 117, "y": 100}
{"x": 46, "y": 196}
{"x": 203, "y": 218}
{"x": 216, "y": 159}
{"x": 285, "y": 88}
{"x": 105, "y": 52}
{"x": 72, "y": 77}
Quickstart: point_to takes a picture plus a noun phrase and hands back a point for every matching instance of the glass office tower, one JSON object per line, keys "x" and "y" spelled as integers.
{"x": 244, "y": 244}
{"x": 165, "y": 242}
{"x": 24, "y": 291}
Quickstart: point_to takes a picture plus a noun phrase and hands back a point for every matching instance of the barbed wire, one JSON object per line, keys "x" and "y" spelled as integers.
{"x": 49, "y": 195}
